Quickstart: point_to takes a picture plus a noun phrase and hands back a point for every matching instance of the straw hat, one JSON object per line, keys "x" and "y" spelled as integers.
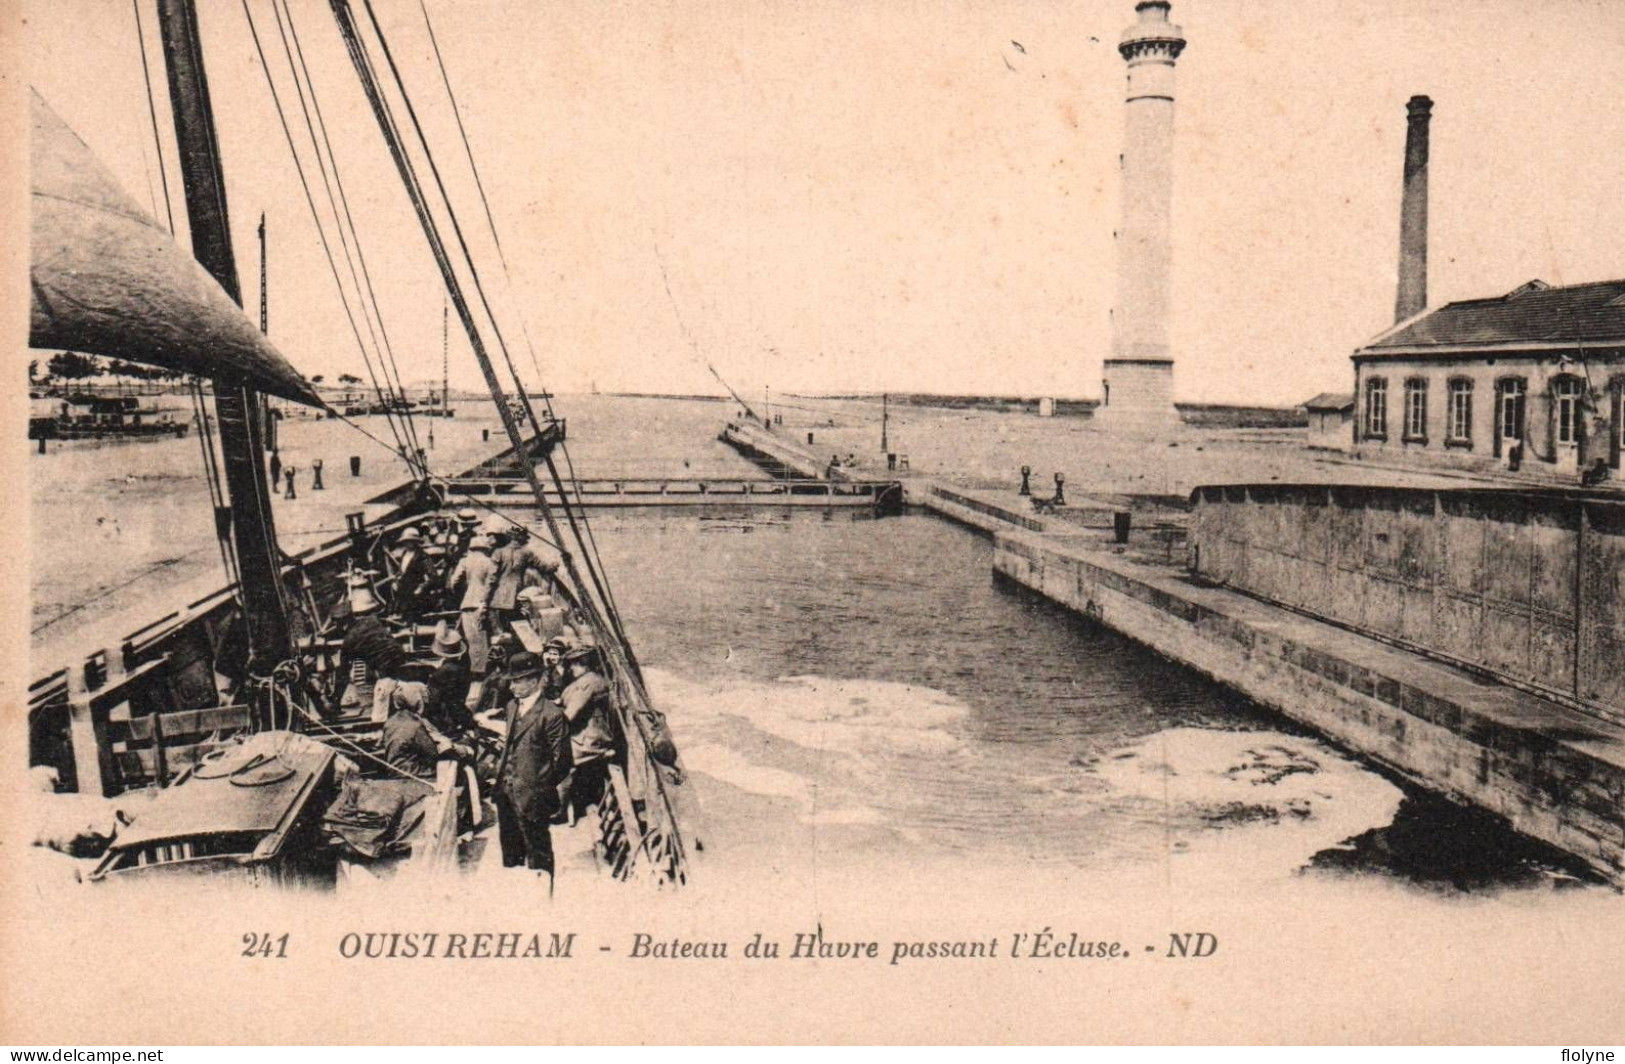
{"x": 583, "y": 651}
{"x": 468, "y": 517}
{"x": 480, "y": 543}
{"x": 411, "y": 535}
{"x": 362, "y": 601}
{"x": 447, "y": 643}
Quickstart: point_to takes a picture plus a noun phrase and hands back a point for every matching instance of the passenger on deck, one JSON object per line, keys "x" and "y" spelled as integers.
{"x": 434, "y": 595}
{"x": 468, "y": 526}
{"x": 411, "y": 580}
{"x": 449, "y": 684}
{"x": 475, "y": 576}
{"x": 585, "y": 702}
{"x": 369, "y": 642}
{"x": 519, "y": 565}
{"x": 408, "y": 744}
{"x": 535, "y": 761}
{"x": 555, "y": 676}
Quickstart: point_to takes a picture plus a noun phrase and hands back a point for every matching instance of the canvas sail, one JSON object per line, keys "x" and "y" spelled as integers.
{"x": 107, "y": 279}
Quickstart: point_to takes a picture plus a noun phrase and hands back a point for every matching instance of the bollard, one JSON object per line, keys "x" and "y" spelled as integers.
{"x": 1060, "y": 490}
{"x": 809, "y": 441}
{"x": 355, "y": 465}
{"x": 1121, "y": 520}
{"x": 316, "y": 474}
{"x": 485, "y": 435}
{"x": 288, "y": 473}
{"x": 1026, "y": 480}
{"x": 891, "y": 462}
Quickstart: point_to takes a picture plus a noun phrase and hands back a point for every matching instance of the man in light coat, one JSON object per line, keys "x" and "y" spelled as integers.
{"x": 476, "y": 576}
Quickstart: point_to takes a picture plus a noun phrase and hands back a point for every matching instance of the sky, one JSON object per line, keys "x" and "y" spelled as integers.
{"x": 904, "y": 195}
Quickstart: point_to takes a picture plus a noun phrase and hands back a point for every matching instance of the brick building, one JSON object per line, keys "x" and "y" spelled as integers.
{"x": 1531, "y": 380}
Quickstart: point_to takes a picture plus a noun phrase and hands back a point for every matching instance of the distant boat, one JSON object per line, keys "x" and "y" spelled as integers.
{"x": 100, "y": 417}
{"x": 228, "y": 714}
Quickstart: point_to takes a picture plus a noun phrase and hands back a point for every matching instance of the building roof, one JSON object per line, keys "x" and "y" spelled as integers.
{"x": 1534, "y": 313}
{"x": 1329, "y": 401}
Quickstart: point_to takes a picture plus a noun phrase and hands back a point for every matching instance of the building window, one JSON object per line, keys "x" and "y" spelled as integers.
{"x": 1376, "y": 408}
{"x": 1459, "y": 413}
{"x": 1618, "y": 435}
{"x": 1509, "y": 417}
{"x": 1416, "y": 410}
{"x": 1566, "y": 392}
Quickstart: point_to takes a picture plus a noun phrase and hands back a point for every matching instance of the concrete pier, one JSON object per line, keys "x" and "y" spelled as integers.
{"x": 779, "y": 456}
{"x": 1553, "y": 773}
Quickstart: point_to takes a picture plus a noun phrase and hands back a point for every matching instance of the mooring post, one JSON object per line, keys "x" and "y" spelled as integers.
{"x": 1060, "y": 489}
{"x": 316, "y": 474}
{"x": 1026, "y": 480}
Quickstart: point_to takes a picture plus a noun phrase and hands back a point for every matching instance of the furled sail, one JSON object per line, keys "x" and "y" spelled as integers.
{"x": 107, "y": 279}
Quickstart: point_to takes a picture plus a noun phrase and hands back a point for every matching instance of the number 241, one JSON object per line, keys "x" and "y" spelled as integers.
{"x": 255, "y": 945}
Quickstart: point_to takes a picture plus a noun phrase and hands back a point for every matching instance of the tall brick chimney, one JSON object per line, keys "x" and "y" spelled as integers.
{"x": 1412, "y": 298}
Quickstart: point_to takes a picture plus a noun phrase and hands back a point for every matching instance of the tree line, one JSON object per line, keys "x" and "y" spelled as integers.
{"x": 71, "y": 366}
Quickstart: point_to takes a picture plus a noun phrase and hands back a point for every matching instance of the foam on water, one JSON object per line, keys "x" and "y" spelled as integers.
{"x": 1247, "y": 804}
{"x": 818, "y": 742}
{"x": 1208, "y": 803}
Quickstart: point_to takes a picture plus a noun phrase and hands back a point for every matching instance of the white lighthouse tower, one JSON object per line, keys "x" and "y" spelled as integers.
{"x": 1139, "y": 377}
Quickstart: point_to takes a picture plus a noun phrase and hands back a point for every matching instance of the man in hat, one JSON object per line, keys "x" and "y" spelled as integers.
{"x": 449, "y": 684}
{"x": 555, "y": 676}
{"x": 411, "y": 578}
{"x": 535, "y": 761}
{"x": 585, "y": 703}
{"x": 475, "y": 576}
{"x": 433, "y": 596}
{"x": 368, "y": 642}
{"x": 408, "y": 744}
{"x": 468, "y": 525}
{"x": 519, "y": 566}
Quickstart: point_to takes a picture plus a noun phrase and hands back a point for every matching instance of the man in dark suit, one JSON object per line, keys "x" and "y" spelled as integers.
{"x": 535, "y": 760}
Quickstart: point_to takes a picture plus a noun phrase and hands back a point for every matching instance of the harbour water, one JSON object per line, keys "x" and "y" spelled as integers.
{"x": 859, "y": 692}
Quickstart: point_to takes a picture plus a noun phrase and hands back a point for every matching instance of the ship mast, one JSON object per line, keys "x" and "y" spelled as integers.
{"x": 267, "y": 419}
{"x": 265, "y": 612}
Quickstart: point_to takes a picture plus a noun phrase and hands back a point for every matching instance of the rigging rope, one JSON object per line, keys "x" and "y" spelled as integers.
{"x": 693, "y": 344}
{"x": 386, "y": 354}
{"x": 618, "y": 652}
{"x": 590, "y": 546}
{"x": 474, "y": 501}
{"x": 152, "y": 113}
{"x": 321, "y": 230}
{"x": 211, "y": 467}
{"x": 610, "y": 619}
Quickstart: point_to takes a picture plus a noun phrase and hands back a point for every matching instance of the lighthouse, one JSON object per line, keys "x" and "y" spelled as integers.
{"x": 1139, "y": 375}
